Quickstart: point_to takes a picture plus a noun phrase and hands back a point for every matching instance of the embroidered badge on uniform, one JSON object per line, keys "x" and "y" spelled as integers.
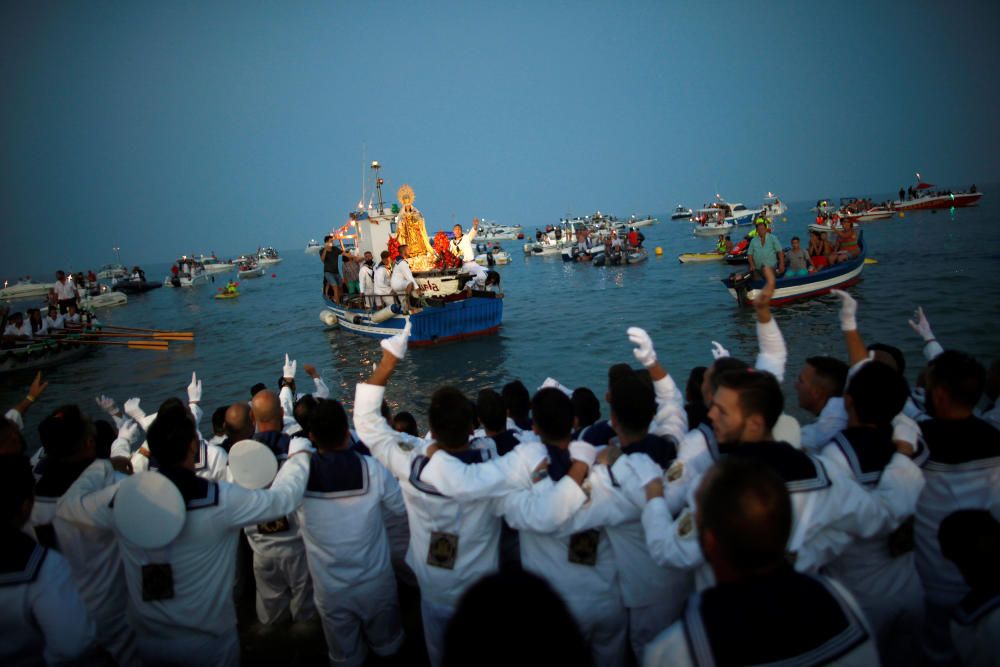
{"x": 157, "y": 582}
{"x": 685, "y": 524}
{"x": 675, "y": 471}
{"x": 539, "y": 474}
{"x": 271, "y": 527}
{"x": 443, "y": 550}
{"x": 583, "y": 547}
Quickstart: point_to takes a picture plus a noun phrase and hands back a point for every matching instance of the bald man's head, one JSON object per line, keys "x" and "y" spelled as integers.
{"x": 239, "y": 425}
{"x": 267, "y": 411}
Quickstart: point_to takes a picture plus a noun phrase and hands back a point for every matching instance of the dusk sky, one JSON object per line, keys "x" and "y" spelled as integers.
{"x": 171, "y": 127}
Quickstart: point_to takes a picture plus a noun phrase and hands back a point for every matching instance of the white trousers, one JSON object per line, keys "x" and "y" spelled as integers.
{"x": 435, "y": 618}
{"x": 644, "y": 623}
{"x": 283, "y": 583}
{"x": 193, "y": 650}
{"x": 602, "y": 623}
{"x": 371, "y": 608}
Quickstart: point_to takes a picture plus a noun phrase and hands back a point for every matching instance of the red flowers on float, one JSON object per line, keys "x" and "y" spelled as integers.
{"x": 446, "y": 259}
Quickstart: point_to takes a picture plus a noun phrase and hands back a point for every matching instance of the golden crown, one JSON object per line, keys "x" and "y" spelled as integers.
{"x": 405, "y": 195}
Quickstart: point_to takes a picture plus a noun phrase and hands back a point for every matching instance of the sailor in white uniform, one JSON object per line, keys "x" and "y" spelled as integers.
{"x": 44, "y": 620}
{"x": 454, "y": 538}
{"x": 342, "y": 524}
{"x": 366, "y": 278}
{"x": 383, "y": 281}
{"x": 181, "y": 601}
{"x": 461, "y": 246}
{"x": 288, "y": 395}
{"x": 92, "y": 554}
{"x": 761, "y": 611}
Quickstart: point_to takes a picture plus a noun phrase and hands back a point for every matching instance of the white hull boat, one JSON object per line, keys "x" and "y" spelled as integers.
{"x": 313, "y": 248}
{"x": 25, "y": 290}
{"x": 680, "y": 213}
{"x": 105, "y": 300}
{"x": 714, "y": 229}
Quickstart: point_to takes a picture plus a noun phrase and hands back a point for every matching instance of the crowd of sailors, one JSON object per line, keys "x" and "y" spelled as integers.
{"x": 62, "y": 313}
{"x": 686, "y": 528}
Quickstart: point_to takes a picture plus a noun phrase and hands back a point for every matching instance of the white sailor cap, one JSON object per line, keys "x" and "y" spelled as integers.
{"x": 252, "y": 464}
{"x": 149, "y": 510}
{"x": 787, "y": 429}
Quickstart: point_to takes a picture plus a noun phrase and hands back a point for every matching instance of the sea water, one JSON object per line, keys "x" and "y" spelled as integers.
{"x": 562, "y": 320}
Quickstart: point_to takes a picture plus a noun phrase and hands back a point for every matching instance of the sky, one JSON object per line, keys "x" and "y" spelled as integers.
{"x": 166, "y": 128}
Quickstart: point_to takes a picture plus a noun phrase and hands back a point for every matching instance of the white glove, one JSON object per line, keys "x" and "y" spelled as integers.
{"x": 108, "y": 404}
{"x": 128, "y": 431}
{"x": 288, "y": 370}
{"x": 906, "y": 429}
{"x": 643, "y": 350}
{"x": 584, "y": 452}
{"x": 194, "y": 389}
{"x": 848, "y": 310}
{"x": 921, "y": 326}
{"x": 396, "y": 345}
{"x": 133, "y": 410}
{"x": 556, "y": 384}
{"x": 719, "y": 352}
{"x": 299, "y": 445}
{"x": 644, "y": 468}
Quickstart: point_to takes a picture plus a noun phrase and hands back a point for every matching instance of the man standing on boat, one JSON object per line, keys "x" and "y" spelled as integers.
{"x": 461, "y": 246}
{"x": 65, "y": 291}
{"x": 765, "y": 250}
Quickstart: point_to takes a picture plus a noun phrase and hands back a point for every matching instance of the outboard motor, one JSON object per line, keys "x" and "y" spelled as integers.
{"x": 741, "y": 285}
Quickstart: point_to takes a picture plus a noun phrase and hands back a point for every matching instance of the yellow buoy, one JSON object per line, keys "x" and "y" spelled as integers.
{"x": 902, "y": 215}
{"x": 871, "y": 260}
{"x": 659, "y": 251}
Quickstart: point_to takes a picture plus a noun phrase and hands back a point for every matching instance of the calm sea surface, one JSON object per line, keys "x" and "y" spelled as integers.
{"x": 561, "y": 320}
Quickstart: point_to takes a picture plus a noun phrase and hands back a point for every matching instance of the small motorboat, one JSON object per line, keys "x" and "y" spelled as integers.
{"x": 112, "y": 271}
{"x": 817, "y": 283}
{"x": 680, "y": 213}
{"x": 313, "y": 247}
{"x": 250, "y": 270}
{"x": 490, "y": 254}
{"x": 773, "y": 207}
{"x": 190, "y": 272}
{"x": 872, "y": 214}
{"x": 268, "y": 256}
{"x": 635, "y": 221}
{"x": 24, "y": 289}
{"x": 213, "y": 264}
{"x": 103, "y": 300}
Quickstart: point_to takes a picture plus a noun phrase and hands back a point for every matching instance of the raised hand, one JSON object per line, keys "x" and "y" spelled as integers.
{"x": 194, "y": 389}
{"x": 921, "y": 326}
{"x": 107, "y": 404}
{"x": 848, "y": 310}
{"x": 643, "y": 350}
{"x": 133, "y": 410}
{"x": 397, "y": 345}
{"x": 288, "y": 370}
{"x": 719, "y": 352}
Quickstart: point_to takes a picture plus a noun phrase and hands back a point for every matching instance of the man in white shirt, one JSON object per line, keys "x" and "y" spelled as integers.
{"x": 761, "y": 610}
{"x": 17, "y": 327}
{"x": 383, "y": 281}
{"x": 347, "y": 548}
{"x": 366, "y": 279}
{"x": 461, "y": 246}
{"x": 820, "y": 389}
{"x": 402, "y": 281}
{"x": 181, "y": 596}
{"x": 65, "y": 291}
{"x": 53, "y": 319}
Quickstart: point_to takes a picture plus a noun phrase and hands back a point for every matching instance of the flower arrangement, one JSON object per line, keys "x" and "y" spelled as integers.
{"x": 393, "y": 248}
{"x": 446, "y": 259}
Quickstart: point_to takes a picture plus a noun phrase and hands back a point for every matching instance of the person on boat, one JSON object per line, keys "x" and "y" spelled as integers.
{"x": 798, "y": 260}
{"x": 65, "y": 290}
{"x": 402, "y": 281}
{"x": 484, "y": 281}
{"x": 846, "y": 246}
{"x": 17, "y": 327}
{"x": 366, "y": 278}
{"x": 461, "y": 246}
{"x": 230, "y": 287}
{"x": 37, "y": 323}
{"x": 330, "y": 256}
{"x": 72, "y": 318}
{"x": 53, "y": 320}
{"x": 765, "y": 250}
{"x": 819, "y": 250}
{"x": 633, "y": 238}
{"x": 723, "y": 245}
{"x": 383, "y": 280}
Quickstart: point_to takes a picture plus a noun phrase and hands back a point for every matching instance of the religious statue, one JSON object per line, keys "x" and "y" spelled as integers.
{"x": 412, "y": 233}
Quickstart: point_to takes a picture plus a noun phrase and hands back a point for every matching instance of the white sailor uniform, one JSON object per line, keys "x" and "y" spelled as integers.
{"x": 342, "y": 525}
{"x": 975, "y": 629}
{"x": 183, "y": 612}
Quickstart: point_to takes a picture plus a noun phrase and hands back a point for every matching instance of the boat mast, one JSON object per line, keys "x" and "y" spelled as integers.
{"x": 378, "y": 184}
{"x": 364, "y": 161}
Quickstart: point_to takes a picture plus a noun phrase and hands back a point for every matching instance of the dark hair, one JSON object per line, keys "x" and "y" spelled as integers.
{"x": 894, "y": 352}
{"x": 633, "y": 404}
{"x": 64, "y": 432}
{"x": 618, "y": 372}
{"x": 796, "y": 238}
{"x": 384, "y": 254}
{"x": 586, "y": 407}
{"x": 328, "y": 424}
{"x": 878, "y": 393}
{"x": 961, "y": 377}
{"x": 408, "y": 423}
{"x": 491, "y": 410}
{"x": 303, "y": 410}
{"x": 219, "y": 420}
{"x": 327, "y": 238}
{"x": 725, "y": 365}
{"x": 692, "y": 390}
{"x": 831, "y": 373}
{"x": 747, "y": 508}
{"x": 760, "y": 393}
{"x": 971, "y": 539}
{"x": 170, "y": 436}
{"x": 450, "y": 416}
{"x": 552, "y": 412}
{"x": 171, "y": 403}
{"x": 492, "y": 278}
{"x": 260, "y": 386}
{"x": 17, "y": 485}
{"x": 517, "y": 399}
{"x": 104, "y": 436}
{"x": 498, "y": 601}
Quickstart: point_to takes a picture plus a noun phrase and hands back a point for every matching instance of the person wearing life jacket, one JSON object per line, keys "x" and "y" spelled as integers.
{"x": 722, "y": 245}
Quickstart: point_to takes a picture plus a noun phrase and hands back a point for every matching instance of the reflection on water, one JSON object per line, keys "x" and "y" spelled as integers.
{"x": 563, "y": 320}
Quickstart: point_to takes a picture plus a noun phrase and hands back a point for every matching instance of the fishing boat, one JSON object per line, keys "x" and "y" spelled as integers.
{"x": 107, "y": 299}
{"x": 815, "y": 284}
{"x": 450, "y": 312}
{"x": 24, "y": 289}
{"x": 681, "y": 212}
{"x": 268, "y": 256}
{"x": 213, "y": 264}
{"x": 313, "y": 247}
{"x": 112, "y": 271}
{"x": 636, "y": 221}
{"x": 633, "y": 256}
{"x": 190, "y": 273}
{"x": 40, "y": 354}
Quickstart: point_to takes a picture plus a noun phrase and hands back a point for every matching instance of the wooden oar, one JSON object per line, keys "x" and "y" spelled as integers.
{"x": 133, "y": 344}
{"x": 182, "y": 336}
{"x": 161, "y": 331}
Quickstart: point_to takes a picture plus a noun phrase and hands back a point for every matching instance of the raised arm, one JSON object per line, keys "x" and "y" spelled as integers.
{"x": 773, "y": 353}
{"x": 88, "y": 501}
{"x": 670, "y": 418}
{"x": 856, "y": 351}
{"x": 922, "y": 328}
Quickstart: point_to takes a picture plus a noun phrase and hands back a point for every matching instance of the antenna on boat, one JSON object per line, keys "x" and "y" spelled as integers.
{"x": 378, "y": 185}
{"x": 364, "y": 161}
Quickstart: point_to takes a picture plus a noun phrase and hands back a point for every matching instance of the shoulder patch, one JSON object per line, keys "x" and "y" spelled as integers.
{"x": 685, "y": 525}
{"x": 675, "y": 471}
